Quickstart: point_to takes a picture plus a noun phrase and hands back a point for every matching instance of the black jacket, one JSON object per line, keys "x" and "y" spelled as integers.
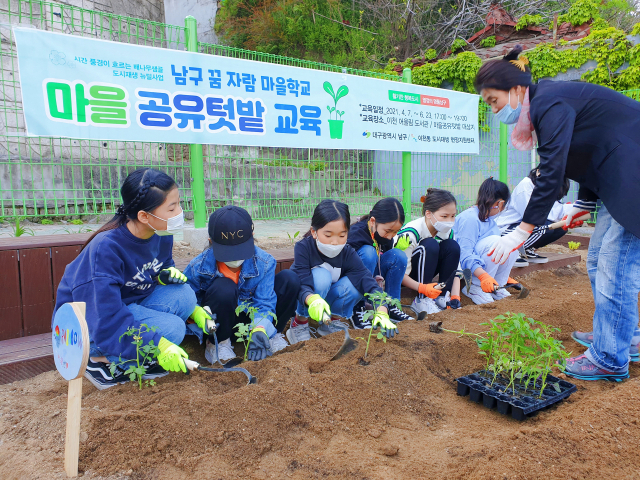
{"x": 359, "y": 235}
{"x": 306, "y": 256}
{"x": 590, "y": 134}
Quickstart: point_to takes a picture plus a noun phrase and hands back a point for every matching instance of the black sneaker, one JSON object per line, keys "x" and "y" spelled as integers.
{"x": 154, "y": 370}
{"x": 99, "y": 374}
{"x": 357, "y": 319}
{"x": 396, "y": 315}
{"x": 521, "y": 262}
{"x": 533, "y": 257}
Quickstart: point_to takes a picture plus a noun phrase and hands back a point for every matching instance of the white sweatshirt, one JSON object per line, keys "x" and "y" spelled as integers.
{"x": 518, "y": 202}
{"x": 417, "y": 231}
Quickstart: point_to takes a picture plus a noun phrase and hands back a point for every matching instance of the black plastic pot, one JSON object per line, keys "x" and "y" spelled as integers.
{"x": 483, "y": 388}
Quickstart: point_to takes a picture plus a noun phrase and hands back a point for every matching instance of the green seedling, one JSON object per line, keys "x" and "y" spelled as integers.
{"x": 573, "y": 246}
{"x": 342, "y": 92}
{"x": 18, "y": 230}
{"x": 292, "y": 239}
{"x": 144, "y": 353}
{"x": 244, "y": 329}
{"x": 377, "y": 299}
{"x": 76, "y": 222}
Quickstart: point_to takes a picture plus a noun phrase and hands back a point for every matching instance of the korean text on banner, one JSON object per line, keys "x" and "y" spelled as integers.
{"x": 85, "y": 88}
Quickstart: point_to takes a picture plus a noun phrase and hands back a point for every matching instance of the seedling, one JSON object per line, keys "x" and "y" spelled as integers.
{"x": 377, "y": 299}
{"x": 18, "y": 230}
{"x": 244, "y": 329}
{"x": 342, "y": 92}
{"x": 292, "y": 239}
{"x": 144, "y": 353}
{"x": 573, "y": 246}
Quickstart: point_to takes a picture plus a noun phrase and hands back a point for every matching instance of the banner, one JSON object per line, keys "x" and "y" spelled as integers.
{"x": 79, "y": 87}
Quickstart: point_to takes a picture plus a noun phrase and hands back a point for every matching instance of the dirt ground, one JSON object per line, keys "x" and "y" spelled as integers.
{"x": 398, "y": 417}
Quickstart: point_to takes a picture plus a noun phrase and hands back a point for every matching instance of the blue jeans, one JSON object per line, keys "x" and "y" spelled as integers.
{"x": 168, "y": 307}
{"x": 613, "y": 263}
{"x": 393, "y": 264}
{"x": 341, "y": 296}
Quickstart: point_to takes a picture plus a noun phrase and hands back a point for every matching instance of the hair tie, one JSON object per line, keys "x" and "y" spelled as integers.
{"x": 423, "y": 198}
{"x": 121, "y": 210}
{"x": 520, "y": 63}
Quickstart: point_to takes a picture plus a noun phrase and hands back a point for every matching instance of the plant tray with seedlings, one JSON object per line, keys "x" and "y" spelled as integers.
{"x": 520, "y": 401}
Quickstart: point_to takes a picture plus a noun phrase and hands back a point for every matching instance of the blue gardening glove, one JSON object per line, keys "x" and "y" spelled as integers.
{"x": 171, "y": 275}
{"x": 258, "y": 344}
{"x": 454, "y": 303}
{"x": 381, "y": 320}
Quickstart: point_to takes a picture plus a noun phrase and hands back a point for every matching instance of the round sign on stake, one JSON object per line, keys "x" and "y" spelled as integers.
{"x": 70, "y": 340}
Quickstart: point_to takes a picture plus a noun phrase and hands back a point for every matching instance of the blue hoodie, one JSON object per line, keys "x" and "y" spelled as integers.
{"x": 469, "y": 230}
{"x": 116, "y": 269}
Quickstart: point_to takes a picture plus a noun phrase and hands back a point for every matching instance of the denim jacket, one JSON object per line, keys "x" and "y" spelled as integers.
{"x": 255, "y": 285}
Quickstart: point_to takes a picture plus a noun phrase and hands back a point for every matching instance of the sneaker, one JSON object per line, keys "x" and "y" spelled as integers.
{"x": 154, "y": 370}
{"x": 586, "y": 339}
{"x": 225, "y": 351}
{"x": 442, "y": 300}
{"x": 500, "y": 294}
{"x": 533, "y": 257}
{"x": 277, "y": 343}
{"x": 331, "y": 327}
{"x": 99, "y": 375}
{"x": 521, "y": 262}
{"x": 477, "y": 295}
{"x": 581, "y": 368}
{"x": 426, "y": 305}
{"x": 357, "y": 319}
{"x": 396, "y": 315}
{"x": 299, "y": 333}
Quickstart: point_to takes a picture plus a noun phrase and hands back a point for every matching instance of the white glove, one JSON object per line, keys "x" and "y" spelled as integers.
{"x": 501, "y": 250}
{"x": 579, "y": 208}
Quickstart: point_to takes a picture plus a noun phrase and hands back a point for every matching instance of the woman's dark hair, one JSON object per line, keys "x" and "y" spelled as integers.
{"x": 329, "y": 211}
{"x": 566, "y": 185}
{"x": 504, "y": 74}
{"x": 435, "y": 199}
{"x": 489, "y": 192}
{"x": 386, "y": 210}
{"x": 144, "y": 189}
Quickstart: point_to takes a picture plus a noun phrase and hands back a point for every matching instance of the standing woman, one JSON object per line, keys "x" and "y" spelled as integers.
{"x": 589, "y": 134}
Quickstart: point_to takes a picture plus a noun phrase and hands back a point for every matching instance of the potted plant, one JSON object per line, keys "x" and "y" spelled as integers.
{"x": 335, "y": 126}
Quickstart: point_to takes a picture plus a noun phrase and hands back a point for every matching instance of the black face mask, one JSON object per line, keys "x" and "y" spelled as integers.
{"x": 383, "y": 243}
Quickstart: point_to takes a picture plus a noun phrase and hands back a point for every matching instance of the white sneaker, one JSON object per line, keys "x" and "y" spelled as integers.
{"x": 500, "y": 294}
{"x": 225, "y": 351}
{"x": 298, "y": 334}
{"x": 477, "y": 295}
{"x": 331, "y": 327}
{"x": 442, "y": 300}
{"x": 277, "y": 343}
{"x": 426, "y": 305}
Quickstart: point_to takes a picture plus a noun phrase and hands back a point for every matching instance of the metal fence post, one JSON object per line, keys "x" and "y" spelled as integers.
{"x": 406, "y": 164}
{"x": 195, "y": 150}
{"x": 504, "y": 152}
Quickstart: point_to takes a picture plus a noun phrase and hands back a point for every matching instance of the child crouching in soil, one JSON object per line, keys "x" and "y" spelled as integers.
{"x": 126, "y": 276}
{"x": 476, "y": 232}
{"x": 233, "y": 271}
{"x": 431, "y": 250}
{"x": 332, "y": 276}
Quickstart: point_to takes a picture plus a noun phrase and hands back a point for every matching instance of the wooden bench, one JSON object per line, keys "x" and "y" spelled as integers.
{"x": 33, "y": 268}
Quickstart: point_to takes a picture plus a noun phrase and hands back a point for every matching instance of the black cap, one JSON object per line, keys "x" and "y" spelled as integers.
{"x": 231, "y": 234}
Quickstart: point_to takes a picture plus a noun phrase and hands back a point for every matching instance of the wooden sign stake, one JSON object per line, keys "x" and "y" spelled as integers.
{"x": 72, "y": 438}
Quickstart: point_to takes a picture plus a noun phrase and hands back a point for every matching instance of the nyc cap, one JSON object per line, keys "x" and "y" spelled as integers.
{"x": 231, "y": 233}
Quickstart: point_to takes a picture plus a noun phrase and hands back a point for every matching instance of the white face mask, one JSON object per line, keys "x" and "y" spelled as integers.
{"x": 329, "y": 250}
{"x": 234, "y": 264}
{"x": 174, "y": 224}
{"x": 442, "y": 227}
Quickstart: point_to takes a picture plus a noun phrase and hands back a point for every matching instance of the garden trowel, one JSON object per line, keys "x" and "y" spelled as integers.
{"x": 524, "y": 291}
{"x": 349, "y": 344}
{"x": 463, "y": 274}
{"x": 191, "y": 366}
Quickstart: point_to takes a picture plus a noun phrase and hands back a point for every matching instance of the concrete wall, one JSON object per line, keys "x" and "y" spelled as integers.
{"x": 204, "y": 11}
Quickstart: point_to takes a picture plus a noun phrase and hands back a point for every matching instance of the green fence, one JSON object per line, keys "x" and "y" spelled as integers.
{"x": 55, "y": 177}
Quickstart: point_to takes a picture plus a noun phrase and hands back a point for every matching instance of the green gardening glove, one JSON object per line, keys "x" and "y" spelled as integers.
{"x": 319, "y": 310}
{"x": 171, "y": 356}
{"x": 171, "y": 275}
{"x": 381, "y": 320}
{"x": 200, "y": 316}
{"x": 403, "y": 242}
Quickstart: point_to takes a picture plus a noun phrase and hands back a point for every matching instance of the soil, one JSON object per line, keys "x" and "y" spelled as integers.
{"x": 396, "y": 417}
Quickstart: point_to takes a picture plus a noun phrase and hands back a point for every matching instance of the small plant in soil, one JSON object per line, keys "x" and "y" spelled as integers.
{"x": 144, "y": 353}
{"x": 292, "y": 238}
{"x": 573, "y": 246}
{"x": 244, "y": 329}
{"x": 18, "y": 230}
{"x": 377, "y": 299}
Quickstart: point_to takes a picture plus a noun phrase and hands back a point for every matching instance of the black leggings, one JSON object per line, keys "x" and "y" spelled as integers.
{"x": 222, "y": 299}
{"x": 539, "y": 238}
{"x": 431, "y": 258}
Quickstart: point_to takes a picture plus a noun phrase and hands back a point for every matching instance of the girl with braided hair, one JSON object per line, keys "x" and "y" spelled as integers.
{"x": 126, "y": 276}
{"x": 590, "y": 134}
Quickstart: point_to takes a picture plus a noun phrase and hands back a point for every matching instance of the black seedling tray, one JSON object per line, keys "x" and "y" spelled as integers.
{"x": 516, "y": 402}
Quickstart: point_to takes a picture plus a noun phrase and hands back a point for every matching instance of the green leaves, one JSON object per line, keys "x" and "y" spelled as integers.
{"x": 343, "y": 91}
{"x": 144, "y": 353}
{"x": 329, "y": 89}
